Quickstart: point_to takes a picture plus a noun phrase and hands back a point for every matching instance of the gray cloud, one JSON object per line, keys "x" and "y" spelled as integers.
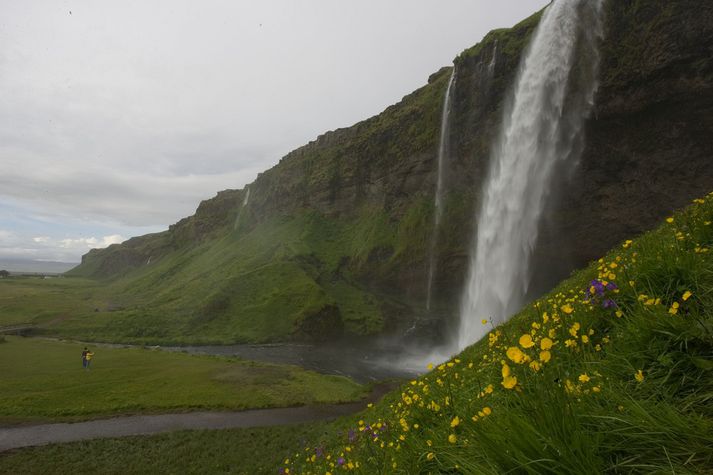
{"x": 130, "y": 113}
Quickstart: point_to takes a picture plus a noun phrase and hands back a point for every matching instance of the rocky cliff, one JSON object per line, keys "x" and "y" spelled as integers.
{"x": 335, "y": 237}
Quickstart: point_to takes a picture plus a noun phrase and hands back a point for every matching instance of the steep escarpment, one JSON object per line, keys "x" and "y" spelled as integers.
{"x": 334, "y": 239}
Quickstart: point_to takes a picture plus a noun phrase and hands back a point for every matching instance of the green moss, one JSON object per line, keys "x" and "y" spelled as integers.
{"x": 511, "y": 41}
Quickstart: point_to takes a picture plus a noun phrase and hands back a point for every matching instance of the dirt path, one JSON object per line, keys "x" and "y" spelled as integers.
{"x": 27, "y": 436}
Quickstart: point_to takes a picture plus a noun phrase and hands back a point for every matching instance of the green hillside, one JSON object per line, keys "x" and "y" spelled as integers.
{"x": 610, "y": 372}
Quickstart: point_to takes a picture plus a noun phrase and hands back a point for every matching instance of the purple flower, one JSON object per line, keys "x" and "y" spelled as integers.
{"x": 340, "y": 461}
{"x": 351, "y": 435}
{"x": 598, "y": 287}
{"x": 609, "y": 303}
{"x": 612, "y": 286}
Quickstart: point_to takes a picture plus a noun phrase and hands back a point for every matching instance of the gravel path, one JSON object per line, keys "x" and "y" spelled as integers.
{"x": 27, "y": 436}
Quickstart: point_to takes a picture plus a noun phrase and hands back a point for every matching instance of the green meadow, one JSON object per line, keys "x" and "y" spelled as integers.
{"x": 43, "y": 380}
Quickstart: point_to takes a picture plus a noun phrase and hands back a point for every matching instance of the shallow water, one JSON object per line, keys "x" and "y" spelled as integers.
{"x": 362, "y": 364}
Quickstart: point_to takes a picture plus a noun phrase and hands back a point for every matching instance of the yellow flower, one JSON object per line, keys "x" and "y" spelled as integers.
{"x": 639, "y": 376}
{"x": 583, "y": 378}
{"x": 686, "y": 295}
{"x": 452, "y": 438}
{"x": 516, "y": 355}
{"x": 546, "y": 344}
{"x": 535, "y": 366}
{"x": 484, "y": 321}
{"x": 430, "y": 366}
{"x": 669, "y": 220}
{"x": 487, "y": 411}
{"x": 506, "y": 371}
{"x": 526, "y": 341}
{"x": 585, "y": 339}
{"x": 567, "y": 308}
{"x": 509, "y": 382}
{"x": 545, "y": 356}
{"x": 674, "y": 308}
{"x": 430, "y": 456}
{"x": 570, "y": 343}
{"x": 455, "y": 422}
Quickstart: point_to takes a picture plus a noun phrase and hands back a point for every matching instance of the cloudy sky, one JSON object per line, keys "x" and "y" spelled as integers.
{"x": 118, "y": 118}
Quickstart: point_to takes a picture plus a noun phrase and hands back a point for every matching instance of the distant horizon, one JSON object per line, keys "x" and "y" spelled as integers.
{"x": 33, "y": 266}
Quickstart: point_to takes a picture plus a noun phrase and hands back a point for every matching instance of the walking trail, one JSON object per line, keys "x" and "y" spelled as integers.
{"x": 28, "y": 436}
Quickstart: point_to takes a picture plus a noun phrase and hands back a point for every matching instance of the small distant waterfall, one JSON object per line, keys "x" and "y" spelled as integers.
{"x": 240, "y": 212}
{"x": 443, "y": 151}
{"x": 493, "y": 60}
{"x": 541, "y": 132}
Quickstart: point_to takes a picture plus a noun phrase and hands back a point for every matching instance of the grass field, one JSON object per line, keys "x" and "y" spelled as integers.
{"x": 25, "y": 299}
{"x": 612, "y": 372}
{"x": 43, "y": 380}
{"x": 235, "y": 451}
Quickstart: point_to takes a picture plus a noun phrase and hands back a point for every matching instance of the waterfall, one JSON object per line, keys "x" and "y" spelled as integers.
{"x": 493, "y": 60}
{"x": 240, "y": 211}
{"x": 540, "y": 134}
{"x": 443, "y": 150}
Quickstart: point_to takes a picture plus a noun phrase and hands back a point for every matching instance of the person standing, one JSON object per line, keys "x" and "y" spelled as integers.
{"x": 89, "y": 358}
{"x": 85, "y": 362}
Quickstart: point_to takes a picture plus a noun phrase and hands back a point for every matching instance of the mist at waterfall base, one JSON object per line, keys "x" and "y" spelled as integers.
{"x": 539, "y": 142}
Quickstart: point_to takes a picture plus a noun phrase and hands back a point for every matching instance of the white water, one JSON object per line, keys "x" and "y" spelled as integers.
{"x": 493, "y": 60}
{"x": 443, "y": 150}
{"x": 540, "y": 133}
{"x": 240, "y": 212}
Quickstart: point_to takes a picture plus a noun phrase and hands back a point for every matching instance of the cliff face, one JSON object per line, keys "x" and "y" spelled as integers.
{"x": 342, "y": 226}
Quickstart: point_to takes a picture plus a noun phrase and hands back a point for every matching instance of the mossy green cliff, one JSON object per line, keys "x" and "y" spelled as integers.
{"x": 334, "y": 239}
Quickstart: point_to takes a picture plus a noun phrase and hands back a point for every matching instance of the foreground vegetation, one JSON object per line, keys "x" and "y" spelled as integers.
{"x": 43, "y": 380}
{"x": 610, "y": 372}
{"x": 236, "y": 451}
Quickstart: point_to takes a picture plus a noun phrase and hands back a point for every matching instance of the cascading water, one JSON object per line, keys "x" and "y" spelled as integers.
{"x": 240, "y": 213}
{"x": 443, "y": 150}
{"x": 493, "y": 60}
{"x": 541, "y": 132}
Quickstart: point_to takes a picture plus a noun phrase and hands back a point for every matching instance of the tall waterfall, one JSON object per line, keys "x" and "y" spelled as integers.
{"x": 443, "y": 150}
{"x": 540, "y": 134}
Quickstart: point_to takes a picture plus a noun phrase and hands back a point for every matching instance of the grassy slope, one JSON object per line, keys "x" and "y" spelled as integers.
{"x": 254, "y": 286}
{"x": 259, "y": 280}
{"x": 44, "y": 380}
{"x": 623, "y": 389}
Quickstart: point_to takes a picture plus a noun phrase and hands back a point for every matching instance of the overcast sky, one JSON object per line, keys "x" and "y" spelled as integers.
{"x": 118, "y": 118}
